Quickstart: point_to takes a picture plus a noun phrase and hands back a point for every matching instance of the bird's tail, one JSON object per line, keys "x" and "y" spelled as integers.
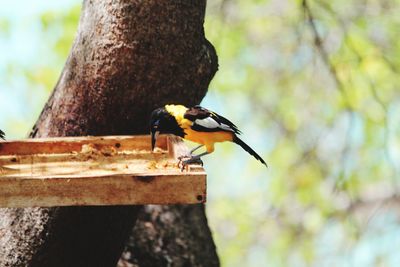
{"x": 238, "y": 141}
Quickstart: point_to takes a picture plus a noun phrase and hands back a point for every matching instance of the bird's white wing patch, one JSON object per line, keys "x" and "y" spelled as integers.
{"x": 210, "y": 123}
{"x": 226, "y": 127}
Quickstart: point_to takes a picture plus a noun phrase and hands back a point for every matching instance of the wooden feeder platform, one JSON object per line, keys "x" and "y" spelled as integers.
{"x": 109, "y": 170}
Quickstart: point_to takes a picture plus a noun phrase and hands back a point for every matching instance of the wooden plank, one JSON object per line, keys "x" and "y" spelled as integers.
{"x": 96, "y": 171}
{"x": 74, "y": 144}
{"x": 114, "y": 190}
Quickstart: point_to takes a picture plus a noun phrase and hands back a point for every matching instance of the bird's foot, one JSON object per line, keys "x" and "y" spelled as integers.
{"x": 191, "y": 160}
{"x": 181, "y": 158}
{"x": 184, "y": 157}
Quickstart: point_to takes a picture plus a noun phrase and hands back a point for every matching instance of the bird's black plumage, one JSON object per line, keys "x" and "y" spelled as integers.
{"x": 246, "y": 147}
{"x": 200, "y": 113}
{"x": 2, "y": 135}
{"x": 163, "y": 122}
{"x": 196, "y": 124}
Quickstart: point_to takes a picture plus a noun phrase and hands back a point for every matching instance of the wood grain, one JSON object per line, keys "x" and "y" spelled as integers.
{"x": 110, "y": 170}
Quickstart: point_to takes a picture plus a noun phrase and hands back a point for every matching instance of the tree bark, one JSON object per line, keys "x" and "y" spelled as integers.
{"x": 170, "y": 236}
{"x": 128, "y": 58}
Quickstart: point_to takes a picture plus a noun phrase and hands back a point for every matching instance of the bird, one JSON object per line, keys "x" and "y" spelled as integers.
{"x": 2, "y": 136}
{"x": 196, "y": 124}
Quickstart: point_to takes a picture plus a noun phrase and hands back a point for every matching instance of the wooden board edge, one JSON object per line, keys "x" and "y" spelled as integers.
{"x": 103, "y": 191}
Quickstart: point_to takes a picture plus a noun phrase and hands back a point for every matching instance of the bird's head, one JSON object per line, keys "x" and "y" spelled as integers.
{"x": 163, "y": 122}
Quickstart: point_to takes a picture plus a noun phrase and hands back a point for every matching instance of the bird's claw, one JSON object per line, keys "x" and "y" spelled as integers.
{"x": 191, "y": 160}
{"x": 184, "y": 157}
{"x": 181, "y": 159}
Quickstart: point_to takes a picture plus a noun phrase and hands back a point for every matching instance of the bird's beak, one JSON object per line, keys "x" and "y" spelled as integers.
{"x": 154, "y": 136}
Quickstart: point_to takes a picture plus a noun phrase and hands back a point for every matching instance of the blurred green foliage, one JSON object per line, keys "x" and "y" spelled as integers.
{"x": 34, "y": 43}
{"x": 314, "y": 87}
{"x": 58, "y": 29}
{"x": 318, "y": 80}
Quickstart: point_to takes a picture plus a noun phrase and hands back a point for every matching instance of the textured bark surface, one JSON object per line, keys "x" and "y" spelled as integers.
{"x": 128, "y": 58}
{"x": 170, "y": 236}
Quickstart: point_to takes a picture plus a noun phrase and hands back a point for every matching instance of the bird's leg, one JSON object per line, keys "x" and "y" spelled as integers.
{"x": 180, "y": 158}
{"x": 193, "y": 159}
{"x": 194, "y": 149}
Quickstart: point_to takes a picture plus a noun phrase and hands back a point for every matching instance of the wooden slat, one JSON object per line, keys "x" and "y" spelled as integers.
{"x": 108, "y": 190}
{"x": 96, "y": 171}
{"x": 74, "y": 144}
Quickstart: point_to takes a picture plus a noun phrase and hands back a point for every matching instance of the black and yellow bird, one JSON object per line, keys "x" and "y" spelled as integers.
{"x": 196, "y": 124}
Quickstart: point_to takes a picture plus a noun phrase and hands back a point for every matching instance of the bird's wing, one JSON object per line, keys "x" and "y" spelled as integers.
{"x": 205, "y": 120}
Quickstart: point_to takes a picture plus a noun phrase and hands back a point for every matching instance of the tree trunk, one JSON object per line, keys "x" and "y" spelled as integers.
{"x": 170, "y": 236}
{"x": 128, "y": 58}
